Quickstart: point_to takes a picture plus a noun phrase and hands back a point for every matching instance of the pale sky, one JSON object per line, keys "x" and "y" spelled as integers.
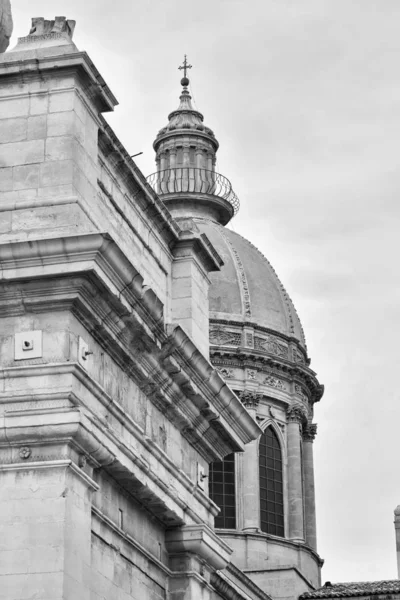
{"x": 304, "y": 98}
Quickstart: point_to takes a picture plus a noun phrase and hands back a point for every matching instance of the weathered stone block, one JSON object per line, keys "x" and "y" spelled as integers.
{"x": 37, "y": 127}
{"x": 60, "y": 123}
{"x": 56, "y": 172}
{"x": 62, "y": 101}
{"x": 59, "y": 148}
{"x": 6, "y": 180}
{"x": 26, "y": 177}
{"x": 13, "y": 130}
{"x": 5, "y": 221}
{"x": 68, "y": 217}
{"x": 39, "y": 104}
{"x": 14, "y": 107}
{"x": 21, "y": 153}
{"x": 56, "y": 191}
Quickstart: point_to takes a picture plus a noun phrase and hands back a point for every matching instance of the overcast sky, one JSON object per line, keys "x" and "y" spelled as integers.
{"x": 304, "y": 97}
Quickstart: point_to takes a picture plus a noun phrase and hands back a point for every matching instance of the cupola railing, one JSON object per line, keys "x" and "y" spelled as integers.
{"x": 190, "y": 180}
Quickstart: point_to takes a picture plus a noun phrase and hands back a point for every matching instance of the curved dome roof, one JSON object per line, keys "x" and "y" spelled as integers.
{"x": 247, "y": 289}
{"x": 184, "y": 118}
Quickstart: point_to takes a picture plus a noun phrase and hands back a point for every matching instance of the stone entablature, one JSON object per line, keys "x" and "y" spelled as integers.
{"x": 242, "y": 367}
{"x": 261, "y": 340}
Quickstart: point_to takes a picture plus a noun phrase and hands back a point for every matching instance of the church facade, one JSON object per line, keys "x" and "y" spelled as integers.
{"x": 156, "y": 397}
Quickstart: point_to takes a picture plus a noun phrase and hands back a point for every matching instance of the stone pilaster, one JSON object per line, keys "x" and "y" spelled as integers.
{"x": 251, "y": 480}
{"x": 46, "y": 527}
{"x": 309, "y": 434}
{"x": 295, "y": 416}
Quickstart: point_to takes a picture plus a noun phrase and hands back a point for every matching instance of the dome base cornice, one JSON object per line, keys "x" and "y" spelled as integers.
{"x": 243, "y": 358}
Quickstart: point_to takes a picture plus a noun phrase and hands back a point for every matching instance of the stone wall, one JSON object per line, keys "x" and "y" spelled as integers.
{"x": 109, "y": 411}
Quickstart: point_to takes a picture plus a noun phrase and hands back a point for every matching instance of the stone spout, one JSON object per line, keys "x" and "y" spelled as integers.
{"x": 6, "y": 24}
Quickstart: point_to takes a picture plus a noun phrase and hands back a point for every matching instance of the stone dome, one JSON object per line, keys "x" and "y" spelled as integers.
{"x": 247, "y": 289}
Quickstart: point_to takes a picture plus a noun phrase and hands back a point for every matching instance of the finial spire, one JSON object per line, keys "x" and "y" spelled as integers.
{"x": 185, "y": 67}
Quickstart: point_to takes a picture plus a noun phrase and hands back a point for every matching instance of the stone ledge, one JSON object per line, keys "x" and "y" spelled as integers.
{"x": 200, "y": 540}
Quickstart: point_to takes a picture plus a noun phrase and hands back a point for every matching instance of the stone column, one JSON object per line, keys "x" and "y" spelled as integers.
{"x": 172, "y": 158}
{"x": 397, "y": 532}
{"x": 309, "y": 434}
{"x": 295, "y": 416}
{"x": 186, "y": 155}
{"x": 251, "y": 478}
{"x": 198, "y": 175}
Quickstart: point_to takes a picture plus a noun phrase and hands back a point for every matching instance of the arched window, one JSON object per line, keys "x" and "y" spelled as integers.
{"x": 222, "y": 491}
{"x": 271, "y": 484}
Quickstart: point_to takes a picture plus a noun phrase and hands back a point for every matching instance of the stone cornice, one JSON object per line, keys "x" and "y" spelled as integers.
{"x": 75, "y": 427}
{"x": 201, "y": 540}
{"x": 222, "y": 582}
{"x": 270, "y": 539}
{"x": 23, "y": 404}
{"x": 247, "y": 357}
{"x": 192, "y": 245}
{"x": 204, "y": 375}
{"x": 258, "y": 328}
{"x": 104, "y": 291}
{"x": 37, "y": 62}
{"x": 87, "y": 253}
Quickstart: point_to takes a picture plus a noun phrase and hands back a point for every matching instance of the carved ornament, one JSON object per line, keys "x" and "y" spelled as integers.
{"x": 25, "y": 452}
{"x": 309, "y": 432}
{"x": 298, "y": 356}
{"x": 251, "y": 374}
{"x": 296, "y": 414}
{"x": 222, "y": 337}
{"x": 249, "y": 340}
{"x": 250, "y": 399}
{"x": 274, "y": 382}
{"x": 300, "y": 392}
{"x": 226, "y": 373}
{"x": 272, "y": 346}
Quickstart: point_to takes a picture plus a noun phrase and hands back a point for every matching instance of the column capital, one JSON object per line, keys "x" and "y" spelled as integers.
{"x": 250, "y": 399}
{"x": 309, "y": 432}
{"x": 296, "y": 414}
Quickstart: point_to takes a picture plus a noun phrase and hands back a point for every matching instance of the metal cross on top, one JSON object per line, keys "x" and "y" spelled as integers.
{"x": 185, "y": 66}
